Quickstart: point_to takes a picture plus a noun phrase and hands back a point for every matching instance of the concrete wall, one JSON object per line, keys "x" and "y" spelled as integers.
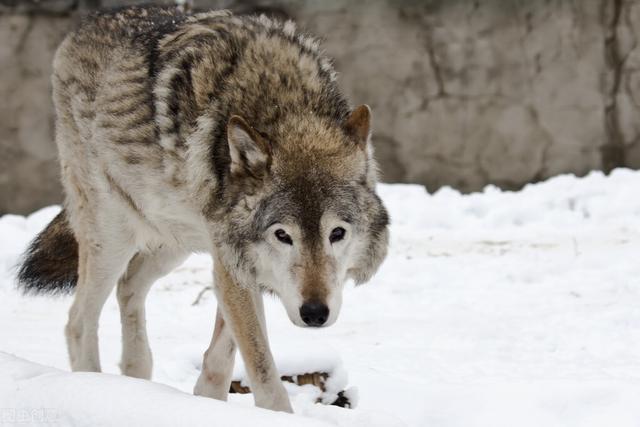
{"x": 464, "y": 93}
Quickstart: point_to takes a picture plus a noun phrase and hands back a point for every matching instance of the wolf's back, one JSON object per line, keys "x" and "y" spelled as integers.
{"x": 50, "y": 264}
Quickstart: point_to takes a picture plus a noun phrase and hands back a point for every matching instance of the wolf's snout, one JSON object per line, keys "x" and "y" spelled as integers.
{"x": 314, "y": 313}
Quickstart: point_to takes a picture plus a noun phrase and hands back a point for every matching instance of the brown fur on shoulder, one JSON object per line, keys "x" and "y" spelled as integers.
{"x": 50, "y": 264}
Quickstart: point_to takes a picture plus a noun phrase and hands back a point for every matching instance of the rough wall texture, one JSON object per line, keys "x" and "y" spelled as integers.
{"x": 464, "y": 93}
{"x": 470, "y": 93}
{"x": 28, "y": 166}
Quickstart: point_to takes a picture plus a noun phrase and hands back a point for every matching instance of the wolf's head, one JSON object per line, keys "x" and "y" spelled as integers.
{"x": 305, "y": 216}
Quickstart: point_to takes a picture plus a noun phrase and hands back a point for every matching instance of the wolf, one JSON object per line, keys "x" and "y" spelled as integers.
{"x": 208, "y": 132}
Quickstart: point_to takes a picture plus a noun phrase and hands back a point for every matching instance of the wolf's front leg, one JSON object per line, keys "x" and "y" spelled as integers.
{"x": 243, "y": 314}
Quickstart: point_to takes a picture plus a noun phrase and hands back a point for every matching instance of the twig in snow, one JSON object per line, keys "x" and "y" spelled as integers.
{"x": 202, "y": 292}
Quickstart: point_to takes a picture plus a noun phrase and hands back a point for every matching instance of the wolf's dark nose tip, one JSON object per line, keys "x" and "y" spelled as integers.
{"x": 314, "y": 313}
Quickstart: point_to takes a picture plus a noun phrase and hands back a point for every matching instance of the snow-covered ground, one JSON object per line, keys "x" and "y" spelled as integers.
{"x": 492, "y": 309}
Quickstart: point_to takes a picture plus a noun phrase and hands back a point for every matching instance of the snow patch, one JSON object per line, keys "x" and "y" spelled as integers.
{"x": 495, "y": 308}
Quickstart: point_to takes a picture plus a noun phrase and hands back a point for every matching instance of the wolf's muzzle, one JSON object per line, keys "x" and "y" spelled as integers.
{"x": 314, "y": 313}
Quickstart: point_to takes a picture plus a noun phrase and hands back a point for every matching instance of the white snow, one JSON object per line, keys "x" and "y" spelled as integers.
{"x": 40, "y": 394}
{"x": 492, "y": 309}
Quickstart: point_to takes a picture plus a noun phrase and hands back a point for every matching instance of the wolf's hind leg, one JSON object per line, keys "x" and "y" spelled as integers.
{"x": 99, "y": 268}
{"x": 217, "y": 364}
{"x": 133, "y": 287}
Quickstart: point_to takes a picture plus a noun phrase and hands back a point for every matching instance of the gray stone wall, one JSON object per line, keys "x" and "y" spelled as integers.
{"x": 464, "y": 93}
{"x": 28, "y": 166}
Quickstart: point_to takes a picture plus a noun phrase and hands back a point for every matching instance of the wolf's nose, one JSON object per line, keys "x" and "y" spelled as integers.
{"x": 314, "y": 313}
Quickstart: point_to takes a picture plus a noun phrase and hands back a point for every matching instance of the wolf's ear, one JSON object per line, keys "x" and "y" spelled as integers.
{"x": 358, "y": 125}
{"x": 250, "y": 152}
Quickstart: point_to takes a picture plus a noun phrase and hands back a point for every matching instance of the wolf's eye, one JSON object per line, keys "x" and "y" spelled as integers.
{"x": 283, "y": 236}
{"x": 337, "y": 234}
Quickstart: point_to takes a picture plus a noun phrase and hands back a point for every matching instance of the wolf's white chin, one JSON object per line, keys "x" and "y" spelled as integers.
{"x": 292, "y": 304}
{"x": 293, "y": 312}
{"x": 294, "y": 316}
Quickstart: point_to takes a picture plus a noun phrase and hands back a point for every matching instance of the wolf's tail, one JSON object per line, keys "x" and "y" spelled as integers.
{"x": 50, "y": 264}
